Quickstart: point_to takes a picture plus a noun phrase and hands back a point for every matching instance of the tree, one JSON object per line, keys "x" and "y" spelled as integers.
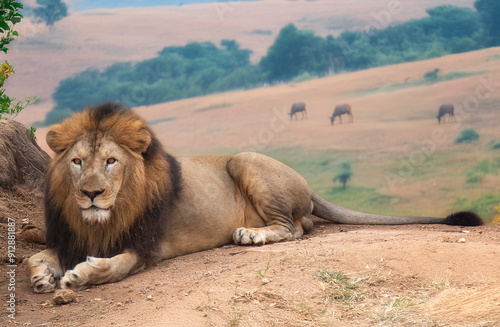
{"x": 451, "y": 21}
{"x": 489, "y": 11}
{"x": 343, "y": 174}
{"x": 50, "y": 11}
{"x": 294, "y": 52}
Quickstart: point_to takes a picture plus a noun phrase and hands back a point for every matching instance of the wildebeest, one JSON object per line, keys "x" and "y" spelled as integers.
{"x": 446, "y": 109}
{"x": 298, "y": 107}
{"x": 340, "y": 110}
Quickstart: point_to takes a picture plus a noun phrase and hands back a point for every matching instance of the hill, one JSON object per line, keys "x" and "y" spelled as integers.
{"x": 97, "y": 38}
{"x": 396, "y": 145}
{"x": 404, "y": 162}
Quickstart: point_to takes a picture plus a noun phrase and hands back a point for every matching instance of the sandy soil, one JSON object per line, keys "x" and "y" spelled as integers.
{"x": 383, "y": 276}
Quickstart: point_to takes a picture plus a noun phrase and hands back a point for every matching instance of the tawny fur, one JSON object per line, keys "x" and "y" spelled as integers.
{"x": 145, "y": 183}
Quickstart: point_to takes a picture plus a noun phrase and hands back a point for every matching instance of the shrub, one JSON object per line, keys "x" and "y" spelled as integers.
{"x": 304, "y": 77}
{"x": 431, "y": 75}
{"x": 9, "y": 16}
{"x": 467, "y": 136}
{"x": 343, "y": 173}
{"x": 495, "y": 145}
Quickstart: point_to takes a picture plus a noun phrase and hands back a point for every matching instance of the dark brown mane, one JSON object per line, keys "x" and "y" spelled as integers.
{"x": 138, "y": 219}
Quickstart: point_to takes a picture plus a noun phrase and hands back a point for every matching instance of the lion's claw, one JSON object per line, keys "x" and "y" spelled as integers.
{"x": 72, "y": 280}
{"x": 246, "y": 236}
{"x": 43, "y": 280}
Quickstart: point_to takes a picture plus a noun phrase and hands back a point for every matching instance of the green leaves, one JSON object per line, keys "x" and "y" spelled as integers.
{"x": 3, "y": 25}
{"x": 9, "y": 16}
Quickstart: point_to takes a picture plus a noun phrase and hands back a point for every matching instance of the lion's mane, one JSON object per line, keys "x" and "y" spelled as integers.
{"x": 138, "y": 218}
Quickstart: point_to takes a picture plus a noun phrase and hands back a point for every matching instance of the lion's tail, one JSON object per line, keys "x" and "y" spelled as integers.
{"x": 341, "y": 215}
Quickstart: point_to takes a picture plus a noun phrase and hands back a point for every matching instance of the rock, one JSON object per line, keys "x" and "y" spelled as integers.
{"x": 32, "y": 235}
{"x": 64, "y": 296}
{"x": 462, "y": 240}
{"x": 22, "y": 162}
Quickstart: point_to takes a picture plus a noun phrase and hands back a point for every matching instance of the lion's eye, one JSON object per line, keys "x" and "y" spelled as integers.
{"x": 77, "y": 161}
{"x": 110, "y": 161}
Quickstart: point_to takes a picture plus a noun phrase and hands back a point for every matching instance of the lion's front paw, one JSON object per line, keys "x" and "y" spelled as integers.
{"x": 73, "y": 281}
{"x": 84, "y": 274}
{"x": 246, "y": 236}
{"x": 43, "y": 278}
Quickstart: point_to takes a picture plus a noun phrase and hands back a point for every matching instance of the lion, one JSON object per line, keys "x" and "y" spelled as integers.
{"x": 116, "y": 202}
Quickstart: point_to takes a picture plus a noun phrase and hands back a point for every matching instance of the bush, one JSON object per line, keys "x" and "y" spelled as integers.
{"x": 495, "y": 145}
{"x": 9, "y": 16}
{"x": 467, "y": 136}
{"x": 485, "y": 167}
{"x": 343, "y": 173}
{"x": 431, "y": 75}
{"x": 304, "y": 77}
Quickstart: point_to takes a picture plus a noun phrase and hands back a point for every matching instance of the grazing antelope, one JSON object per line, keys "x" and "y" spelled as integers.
{"x": 340, "y": 110}
{"x": 446, "y": 109}
{"x": 298, "y": 107}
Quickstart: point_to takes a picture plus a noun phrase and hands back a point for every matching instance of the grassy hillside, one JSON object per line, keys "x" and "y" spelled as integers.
{"x": 403, "y": 161}
{"x": 98, "y": 38}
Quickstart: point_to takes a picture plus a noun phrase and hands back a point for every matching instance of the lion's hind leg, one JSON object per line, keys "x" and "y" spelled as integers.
{"x": 278, "y": 195}
{"x": 305, "y": 224}
{"x": 45, "y": 271}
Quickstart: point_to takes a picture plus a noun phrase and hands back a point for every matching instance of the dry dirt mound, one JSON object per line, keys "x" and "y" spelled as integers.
{"x": 336, "y": 276}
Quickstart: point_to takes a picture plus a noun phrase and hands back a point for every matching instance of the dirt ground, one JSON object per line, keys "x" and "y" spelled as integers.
{"x": 338, "y": 275}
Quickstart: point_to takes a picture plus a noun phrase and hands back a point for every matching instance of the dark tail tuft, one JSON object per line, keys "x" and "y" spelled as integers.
{"x": 464, "y": 218}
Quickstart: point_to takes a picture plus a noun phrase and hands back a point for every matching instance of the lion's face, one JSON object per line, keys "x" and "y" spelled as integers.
{"x": 103, "y": 171}
{"x": 97, "y": 172}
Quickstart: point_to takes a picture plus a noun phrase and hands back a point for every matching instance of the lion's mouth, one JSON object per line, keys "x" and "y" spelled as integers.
{"x": 95, "y": 214}
{"x": 96, "y": 208}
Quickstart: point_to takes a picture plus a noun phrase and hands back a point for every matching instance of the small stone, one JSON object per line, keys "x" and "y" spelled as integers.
{"x": 462, "y": 240}
{"x": 265, "y": 281}
{"x": 64, "y": 296}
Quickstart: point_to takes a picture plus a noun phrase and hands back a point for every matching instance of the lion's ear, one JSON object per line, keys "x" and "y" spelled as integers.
{"x": 135, "y": 136}
{"x": 141, "y": 141}
{"x": 57, "y": 139}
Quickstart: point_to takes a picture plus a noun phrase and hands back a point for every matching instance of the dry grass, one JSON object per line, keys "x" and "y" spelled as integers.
{"x": 469, "y": 306}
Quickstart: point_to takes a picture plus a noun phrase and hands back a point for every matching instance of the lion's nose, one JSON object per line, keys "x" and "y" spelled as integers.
{"x": 91, "y": 194}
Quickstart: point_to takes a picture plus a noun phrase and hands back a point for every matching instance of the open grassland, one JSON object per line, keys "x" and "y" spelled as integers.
{"x": 403, "y": 161}
{"x": 98, "y": 38}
